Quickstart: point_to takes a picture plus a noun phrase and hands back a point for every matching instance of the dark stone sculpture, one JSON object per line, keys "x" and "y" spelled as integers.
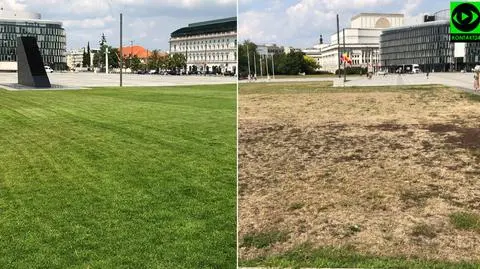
{"x": 31, "y": 70}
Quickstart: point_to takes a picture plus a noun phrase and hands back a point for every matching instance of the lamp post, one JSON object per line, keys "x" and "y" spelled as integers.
{"x": 121, "y": 50}
{"x": 273, "y": 66}
{"x": 106, "y": 60}
{"x": 248, "y": 61}
{"x": 131, "y": 53}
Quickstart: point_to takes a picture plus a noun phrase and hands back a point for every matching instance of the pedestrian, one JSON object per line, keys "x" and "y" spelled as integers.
{"x": 428, "y": 73}
{"x": 475, "y": 81}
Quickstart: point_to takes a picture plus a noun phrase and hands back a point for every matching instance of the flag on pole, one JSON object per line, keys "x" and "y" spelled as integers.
{"x": 345, "y": 58}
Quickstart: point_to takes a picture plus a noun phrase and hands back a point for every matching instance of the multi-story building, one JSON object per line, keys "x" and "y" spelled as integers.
{"x": 315, "y": 52}
{"x": 75, "y": 57}
{"x": 362, "y": 41}
{"x": 209, "y": 46}
{"x": 269, "y": 49}
{"x": 426, "y": 44}
{"x": 50, "y": 36}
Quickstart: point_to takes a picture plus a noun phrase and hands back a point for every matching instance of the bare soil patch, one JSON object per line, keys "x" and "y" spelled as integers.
{"x": 382, "y": 171}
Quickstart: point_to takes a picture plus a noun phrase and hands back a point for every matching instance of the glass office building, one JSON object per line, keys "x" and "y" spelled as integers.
{"x": 50, "y": 36}
{"x": 427, "y": 44}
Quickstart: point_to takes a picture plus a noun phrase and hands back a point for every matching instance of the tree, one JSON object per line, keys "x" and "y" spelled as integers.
{"x": 103, "y": 40}
{"x": 86, "y": 56}
{"x": 310, "y": 64}
{"x": 243, "y": 60}
{"x": 135, "y": 63}
{"x": 113, "y": 55}
{"x": 86, "y": 59}
{"x": 177, "y": 61}
{"x": 157, "y": 61}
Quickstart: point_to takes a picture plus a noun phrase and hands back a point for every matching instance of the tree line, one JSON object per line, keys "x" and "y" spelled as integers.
{"x": 292, "y": 63}
{"x": 155, "y": 61}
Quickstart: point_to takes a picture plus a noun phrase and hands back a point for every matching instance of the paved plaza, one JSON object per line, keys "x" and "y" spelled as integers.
{"x": 463, "y": 81}
{"x": 453, "y": 79}
{"x": 85, "y": 80}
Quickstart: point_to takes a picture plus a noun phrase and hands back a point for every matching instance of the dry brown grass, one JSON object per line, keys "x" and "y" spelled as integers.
{"x": 377, "y": 169}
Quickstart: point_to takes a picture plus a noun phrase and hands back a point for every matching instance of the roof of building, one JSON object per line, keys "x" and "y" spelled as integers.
{"x": 423, "y": 24}
{"x": 207, "y": 27}
{"x": 139, "y": 51}
{"x": 378, "y": 14}
{"x": 23, "y": 21}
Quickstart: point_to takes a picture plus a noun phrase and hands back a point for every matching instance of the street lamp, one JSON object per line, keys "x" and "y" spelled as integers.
{"x": 131, "y": 53}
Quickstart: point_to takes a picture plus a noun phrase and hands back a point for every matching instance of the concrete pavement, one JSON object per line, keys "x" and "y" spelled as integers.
{"x": 84, "y": 80}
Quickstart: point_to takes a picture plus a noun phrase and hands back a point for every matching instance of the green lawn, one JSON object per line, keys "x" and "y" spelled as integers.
{"x": 118, "y": 178}
{"x": 305, "y": 256}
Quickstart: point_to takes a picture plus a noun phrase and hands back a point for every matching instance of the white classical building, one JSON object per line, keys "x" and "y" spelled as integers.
{"x": 269, "y": 49}
{"x": 315, "y": 53}
{"x": 75, "y": 57}
{"x": 209, "y": 46}
{"x": 362, "y": 41}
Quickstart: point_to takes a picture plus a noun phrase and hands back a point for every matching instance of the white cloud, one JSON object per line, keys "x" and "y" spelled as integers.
{"x": 302, "y": 22}
{"x": 89, "y": 23}
{"x": 148, "y": 22}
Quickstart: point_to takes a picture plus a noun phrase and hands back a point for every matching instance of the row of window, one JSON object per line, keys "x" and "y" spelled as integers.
{"x": 48, "y": 38}
{"x": 32, "y": 29}
{"x": 440, "y": 47}
{"x": 210, "y": 57}
{"x": 421, "y": 60}
{"x": 46, "y": 59}
{"x": 422, "y": 34}
{"x": 209, "y": 41}
{"x": 202, "y": 48}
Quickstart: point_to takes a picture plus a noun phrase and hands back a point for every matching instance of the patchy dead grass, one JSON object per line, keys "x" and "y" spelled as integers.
{"x": 382, "y": 169}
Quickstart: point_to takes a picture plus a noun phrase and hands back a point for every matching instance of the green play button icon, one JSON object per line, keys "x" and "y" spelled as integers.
{"x": 464, "y": 17}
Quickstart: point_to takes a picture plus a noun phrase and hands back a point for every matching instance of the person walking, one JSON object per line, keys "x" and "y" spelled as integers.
{"x": 475, "y": 81}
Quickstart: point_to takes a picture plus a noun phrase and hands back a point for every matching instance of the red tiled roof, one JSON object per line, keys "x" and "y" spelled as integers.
{"x": 139, "y": 51}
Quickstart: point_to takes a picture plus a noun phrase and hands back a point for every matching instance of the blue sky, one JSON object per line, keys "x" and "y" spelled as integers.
{"x": 299, "y": 23}
{"x": 146, "y": 22}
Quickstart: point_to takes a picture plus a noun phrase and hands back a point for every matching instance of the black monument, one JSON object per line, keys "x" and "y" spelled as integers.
{"x": 31, "y": 70}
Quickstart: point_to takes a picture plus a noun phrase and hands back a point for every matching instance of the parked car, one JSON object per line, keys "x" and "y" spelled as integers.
{"x": 153, "y": 71}
{"x": 48, "y": 69}
{"x": 382, "y": 72}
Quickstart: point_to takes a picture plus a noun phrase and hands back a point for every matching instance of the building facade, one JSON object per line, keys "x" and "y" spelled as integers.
{"x": 50, "y": 36}
{"x": 362, "y": 41}
{"x": 428, "y": 45}
{"x": 75, "y": 57}
{"x": 209, "y": 46}
{"x": 269, "y": 49}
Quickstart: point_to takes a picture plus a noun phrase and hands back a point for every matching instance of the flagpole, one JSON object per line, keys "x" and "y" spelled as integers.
{"x": 266, "y": 65}
{"x": 248, "y": 60}
{"x": 255, "y": 63}
{"x": 261, "y": 66}
{"x": 344, "y": 61}
{"x": 338, "y": 44}
{"x": 273, "y": 66}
